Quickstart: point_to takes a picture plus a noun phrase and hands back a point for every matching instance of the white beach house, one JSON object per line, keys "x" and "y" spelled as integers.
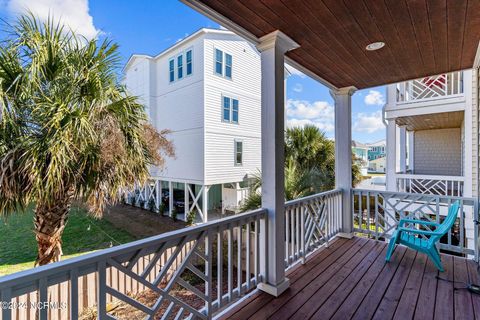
{"x": 206, "y": 90}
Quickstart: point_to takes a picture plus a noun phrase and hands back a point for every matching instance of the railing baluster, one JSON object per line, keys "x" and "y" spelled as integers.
{"x": 42, "y": 298}
{"x": 239, "y": 259}
{"x": 220, "y": 267}
{"x": 102, "y": 290}
{"x": 230, "y": 264}
{"x": 247, "y": 255}
{"x": 208, "y": 272}
{"x": 6, "y": 296}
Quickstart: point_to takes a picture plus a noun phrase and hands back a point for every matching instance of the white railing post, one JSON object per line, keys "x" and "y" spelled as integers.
{"x": 343, "y": 153}
{"x": 272, "y": 49}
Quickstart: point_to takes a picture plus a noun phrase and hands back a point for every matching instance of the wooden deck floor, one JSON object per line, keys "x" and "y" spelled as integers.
{"x": 350, "y": 280}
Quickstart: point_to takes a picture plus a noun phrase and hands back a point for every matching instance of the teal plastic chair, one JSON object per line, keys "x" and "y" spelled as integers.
{"x": 414, "y": 238}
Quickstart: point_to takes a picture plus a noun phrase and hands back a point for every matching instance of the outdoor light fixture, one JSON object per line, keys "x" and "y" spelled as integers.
{"x": 375, "y": 46}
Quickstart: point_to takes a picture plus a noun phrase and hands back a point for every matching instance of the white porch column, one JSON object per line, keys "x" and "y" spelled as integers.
{"x": 411, "y": 148}
{"x": 170, "y": 198}
{"x": 205, "y": 203}
{"x": 273, "y": 48}
{"x": 343, "y": 153}
{"x": 403, "y": 149}
{"x": 391, "y": 155}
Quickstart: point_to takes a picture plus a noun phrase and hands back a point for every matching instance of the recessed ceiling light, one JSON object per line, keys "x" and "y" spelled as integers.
{"x": 428, "y": 119}
{"x": 375, "y": 46}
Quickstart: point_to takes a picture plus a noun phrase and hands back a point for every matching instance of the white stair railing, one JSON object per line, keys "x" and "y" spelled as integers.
{"x": 432, "y": 87}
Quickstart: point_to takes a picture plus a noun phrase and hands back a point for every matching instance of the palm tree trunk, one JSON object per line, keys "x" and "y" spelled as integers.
{"x": 50, "y": 221}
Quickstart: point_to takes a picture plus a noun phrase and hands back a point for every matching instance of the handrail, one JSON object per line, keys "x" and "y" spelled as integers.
{"x": 313, "y": 196}
{"x": 429, "y": 176}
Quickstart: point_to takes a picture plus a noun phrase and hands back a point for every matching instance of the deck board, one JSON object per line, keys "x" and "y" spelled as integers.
{"x": 350, "y": 280}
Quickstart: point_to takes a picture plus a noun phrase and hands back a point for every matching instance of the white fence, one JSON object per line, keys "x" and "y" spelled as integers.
{"x": 430, "y": 184}
{"x": 377, "y": 213}
{"x": 432, "y": 87}
{"x": 311, "y": 222}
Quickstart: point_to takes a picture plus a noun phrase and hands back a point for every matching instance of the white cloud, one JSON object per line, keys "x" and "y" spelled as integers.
{"x": 326, "y": 127}
{"x": 294, "y": 72}
{"x": 74, "y": 13}
{"x": 298, "y": 87}
{"x": 318, "y": 113}
{"x": 368, "y": 122}
{"x": 374, "y": 97}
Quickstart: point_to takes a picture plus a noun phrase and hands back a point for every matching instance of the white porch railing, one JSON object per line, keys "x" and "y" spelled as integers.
{"x": 430, "y": 184}
{"x": 376, "y": 213}
{"x": 226, "y": 257}
{"x": 311, "y": 222}
{"x": 230, "y": 247}
{"x": 432, "y": 87}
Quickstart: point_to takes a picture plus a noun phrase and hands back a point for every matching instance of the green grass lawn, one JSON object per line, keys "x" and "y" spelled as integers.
{"x": 82, "y": 234}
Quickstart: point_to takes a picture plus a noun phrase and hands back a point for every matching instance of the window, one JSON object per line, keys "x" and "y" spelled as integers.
{"x": 235, "y": 110}
{"x": 171, "y": 70}
{"x": 228, "y": 65}
{"x": 230, "y": 110}
{"x": 226, "y": 109}
{"x": 221, "y": 68}
{"x": 189, "y": 62}
{"x": 238, "y": 153}
{"x": 180, "y": 67}
{"x": 218, "y": 62}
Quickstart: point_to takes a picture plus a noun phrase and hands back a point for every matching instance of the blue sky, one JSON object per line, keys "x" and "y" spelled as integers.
{"x": 151, "y": 26}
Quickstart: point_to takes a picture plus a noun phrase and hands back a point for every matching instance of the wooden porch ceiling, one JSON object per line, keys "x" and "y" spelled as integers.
{"x": 442, "y": 120}
{"x": 423, "y": 37}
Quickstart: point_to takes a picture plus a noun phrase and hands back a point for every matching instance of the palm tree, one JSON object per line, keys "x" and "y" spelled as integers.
{"x": 309, "y": 166}
{"x": 68, "y": 129}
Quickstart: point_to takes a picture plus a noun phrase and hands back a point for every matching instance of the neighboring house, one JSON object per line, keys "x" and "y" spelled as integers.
{"x": 377, "y": 165}
{"x": 432, "y": 138}
{"x": 206, "y": 90}
{"x": 431, "y": 135}
{"x": 376, "y": 150}
{"x": 360, "y": 151}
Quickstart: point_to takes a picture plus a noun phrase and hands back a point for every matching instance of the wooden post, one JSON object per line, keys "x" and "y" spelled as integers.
{"x": 272, "y": 49}
{"x": 343, "y": 154}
